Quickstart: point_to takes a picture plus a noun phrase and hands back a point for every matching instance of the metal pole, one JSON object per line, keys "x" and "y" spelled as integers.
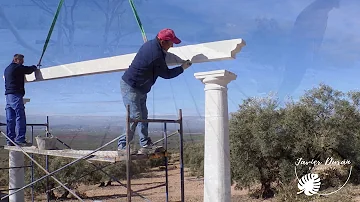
{"x": 102, "y": 167}
{"x": 69, "y": 164}
{"x": 8, "y": 189}
{"x": 166, "y": 166}
{"x": 32, "y": 165}
{"x": 38, "y": 179}
{"x": 154, "y": 121}
{"x": 128, "y": 157}
{"x": 97, "y": 168}
{"x": 181, "y": 158}
{"x": 47, "y": 162}
{"x": 14, "y": 167}
{"x": 172, "y": 134}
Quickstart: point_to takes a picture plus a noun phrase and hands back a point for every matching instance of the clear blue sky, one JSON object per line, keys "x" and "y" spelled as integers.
{"x": 304, "y": 42}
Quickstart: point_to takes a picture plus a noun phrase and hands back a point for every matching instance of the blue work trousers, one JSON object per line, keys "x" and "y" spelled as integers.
{"x": 138, "y": 110}
{"x": 15, "y": 118}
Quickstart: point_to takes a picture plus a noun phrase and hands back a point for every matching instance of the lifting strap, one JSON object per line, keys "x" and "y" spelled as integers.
{"x": 137, "y": 18}
{"x": 51, "y": 30}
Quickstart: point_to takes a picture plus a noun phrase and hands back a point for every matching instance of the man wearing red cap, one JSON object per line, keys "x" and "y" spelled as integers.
{"x": 148, "y": 64}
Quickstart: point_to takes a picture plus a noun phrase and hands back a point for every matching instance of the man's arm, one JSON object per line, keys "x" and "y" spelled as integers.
{"x": 27, "y": 69}
{"x": 164, "y": 71}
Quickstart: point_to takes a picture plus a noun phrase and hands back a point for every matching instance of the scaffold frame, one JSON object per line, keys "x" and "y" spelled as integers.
{"x": 89, "y": 157}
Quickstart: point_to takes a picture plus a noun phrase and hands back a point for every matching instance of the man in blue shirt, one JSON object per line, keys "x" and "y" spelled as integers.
{"x": 148, "y": 64}
{"x": 14, "y": 76}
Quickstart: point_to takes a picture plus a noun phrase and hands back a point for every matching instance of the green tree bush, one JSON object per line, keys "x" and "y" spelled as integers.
{"x": 266, "y": 140}
{"x": 194, "y": 158}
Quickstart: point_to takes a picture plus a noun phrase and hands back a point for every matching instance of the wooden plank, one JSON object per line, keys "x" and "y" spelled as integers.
{"x": 103, "y": 156}
{"x": 198, "y": 53}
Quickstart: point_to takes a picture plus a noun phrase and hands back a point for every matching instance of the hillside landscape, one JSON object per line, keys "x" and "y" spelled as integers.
{"x": 285, "y": 71}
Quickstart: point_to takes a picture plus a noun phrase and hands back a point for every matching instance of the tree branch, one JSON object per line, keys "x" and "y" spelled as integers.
{"x": 15, "y": 33}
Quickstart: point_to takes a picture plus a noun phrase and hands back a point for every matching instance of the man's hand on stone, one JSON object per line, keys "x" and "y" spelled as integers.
{"x": 186, "y": 64}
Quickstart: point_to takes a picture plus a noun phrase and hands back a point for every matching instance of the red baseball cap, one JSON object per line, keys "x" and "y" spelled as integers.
{"x": 168, "y": 34}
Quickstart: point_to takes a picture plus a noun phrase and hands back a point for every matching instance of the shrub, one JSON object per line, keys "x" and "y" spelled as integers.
{"x": 266, "y": 140}
{"x": 194, "y": 158}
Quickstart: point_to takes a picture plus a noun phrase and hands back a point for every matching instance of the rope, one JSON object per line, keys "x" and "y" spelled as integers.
{"x": 51, "y": 30}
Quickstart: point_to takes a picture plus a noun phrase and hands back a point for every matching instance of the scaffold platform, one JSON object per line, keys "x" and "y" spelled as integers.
{"x": 103, "y": 156}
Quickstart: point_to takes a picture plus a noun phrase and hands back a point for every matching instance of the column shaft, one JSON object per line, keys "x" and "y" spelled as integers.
{"x": 217, "y": 152}
{"x": 217, "y": 179}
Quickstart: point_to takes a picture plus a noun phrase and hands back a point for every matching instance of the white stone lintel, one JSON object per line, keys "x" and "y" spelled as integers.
{"x": 197, "y": 53}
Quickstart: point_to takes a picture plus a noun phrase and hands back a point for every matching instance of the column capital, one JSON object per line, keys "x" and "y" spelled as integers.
{"x": 219, "y": 77}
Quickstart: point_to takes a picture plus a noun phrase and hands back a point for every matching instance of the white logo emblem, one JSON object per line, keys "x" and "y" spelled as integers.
{"x": 309, "y": 184}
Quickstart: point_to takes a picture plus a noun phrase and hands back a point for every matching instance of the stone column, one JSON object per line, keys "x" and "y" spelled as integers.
{"x": 217, "y": 180}
{"x": 17, "y": 174}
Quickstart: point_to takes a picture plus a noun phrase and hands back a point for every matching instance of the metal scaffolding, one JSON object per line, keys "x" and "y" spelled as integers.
{"x": 31, "y": 166}
{"x": 109, "y": 156}
{"x": 165, "y": 121}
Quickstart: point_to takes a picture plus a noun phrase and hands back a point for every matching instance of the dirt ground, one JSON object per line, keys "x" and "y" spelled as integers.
{"x": 116, "y": 192}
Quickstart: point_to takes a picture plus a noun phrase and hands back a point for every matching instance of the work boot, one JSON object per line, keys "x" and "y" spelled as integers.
{"x": 146, "y": 149}
{"x": 122, "y": 152}
{"x": 24, "y": 144}
{"x": 9, "y": 144}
